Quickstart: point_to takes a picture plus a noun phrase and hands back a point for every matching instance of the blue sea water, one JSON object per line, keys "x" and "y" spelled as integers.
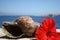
{"x": 35, "y": 18}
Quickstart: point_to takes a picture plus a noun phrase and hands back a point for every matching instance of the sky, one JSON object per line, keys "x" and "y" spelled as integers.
{"x": 29, "y": 7}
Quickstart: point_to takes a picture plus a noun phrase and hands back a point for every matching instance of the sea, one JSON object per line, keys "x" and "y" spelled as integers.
{"x": 35, "y": 18}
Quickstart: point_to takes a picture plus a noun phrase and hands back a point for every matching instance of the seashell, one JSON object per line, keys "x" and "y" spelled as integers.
{"x": 22, "y": 26}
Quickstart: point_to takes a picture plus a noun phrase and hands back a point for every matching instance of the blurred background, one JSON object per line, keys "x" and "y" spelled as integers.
{"x": 10, "y": 10}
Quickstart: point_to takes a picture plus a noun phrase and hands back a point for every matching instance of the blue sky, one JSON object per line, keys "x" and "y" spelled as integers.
{"x": 29, "y": 7}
